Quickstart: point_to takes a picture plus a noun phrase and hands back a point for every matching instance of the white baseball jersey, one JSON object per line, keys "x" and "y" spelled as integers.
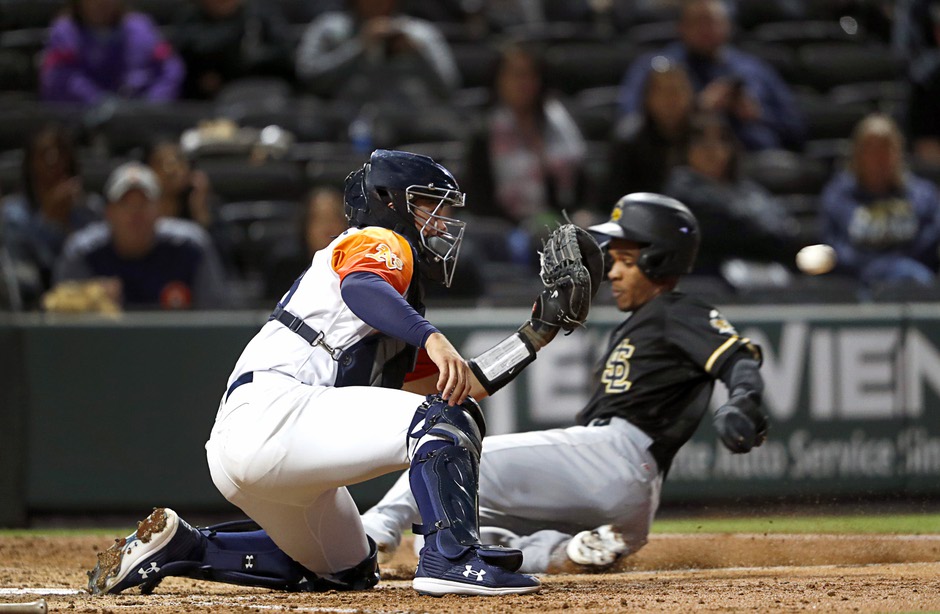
{"x": 301, "y": 425}
{"x": 316, "y": 298}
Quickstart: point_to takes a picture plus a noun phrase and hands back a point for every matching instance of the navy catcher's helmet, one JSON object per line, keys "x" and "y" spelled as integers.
{"x": 666, "y": 229}
{"x": 386, "y": 191}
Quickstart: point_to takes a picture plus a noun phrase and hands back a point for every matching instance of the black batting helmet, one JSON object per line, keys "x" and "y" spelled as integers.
{"x": 666, "y": 229}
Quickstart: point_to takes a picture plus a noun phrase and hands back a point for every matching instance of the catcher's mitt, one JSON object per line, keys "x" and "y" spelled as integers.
{"x": 572, "y": 268}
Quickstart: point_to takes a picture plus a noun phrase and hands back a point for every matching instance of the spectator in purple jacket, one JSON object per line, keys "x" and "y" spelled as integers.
{"x": 883, "y": 222}
{"x": 750, "y": 93}
{"x": 100, "y": 50}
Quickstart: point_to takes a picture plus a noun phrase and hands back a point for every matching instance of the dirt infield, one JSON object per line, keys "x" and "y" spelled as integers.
{"x": 674, "y": 573}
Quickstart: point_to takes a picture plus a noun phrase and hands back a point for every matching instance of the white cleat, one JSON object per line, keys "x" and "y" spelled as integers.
{"x": 598, "y": 548}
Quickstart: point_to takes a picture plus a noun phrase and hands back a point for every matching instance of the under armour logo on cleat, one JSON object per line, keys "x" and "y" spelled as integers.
{"x": 477, "y": 574}
{"x": 248, "y": 564}
{"x": 153, "y": 569}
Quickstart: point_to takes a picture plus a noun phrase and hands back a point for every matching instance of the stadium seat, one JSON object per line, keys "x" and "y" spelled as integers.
{"x": 905, "y": 292}
{"x": 784, "y": 172}
{"x": 752, "y": 13}
{"x": 308, "y": 119}
{"x": 476, "y": 63}
{"x": 830, "y": 288}
{"x": 826, "y": 65}
{"x": 572, "y": 67}
{"x": 925, "y": 170}
{"x": 305, "y": 11}
{"x": 653, "y": 35}
{"x": 393, "y": 125}
{"x": 830, "y": 152}
{"x": 328, "y": 164}
{"x": 11, "y": 171}
{"x": 799, "y": 33}
{"x": 95, "y": 170}
{"x": 26, "y": 40}
{"x": 17, "y": 72}
{"x": 595, "y": 111}
{"x": 15, "y": 14}
{"x": 21, "y": 119}
{"x": 459, "y": 32}
{"x": 123, "y": 126}
{"x": 886, "y": 96}
{"x": 489, "y": 234}
{"x": 825, "y": 120}
{"x": 241, "y": 180}
{"x": 781, "y": 57}
{"x": 253, "y": 89}
{"x": 551, "y": 33}
{"x": 161, "y": 11}
{"x": 254, "y": 228}
{"x": 654, "y": 12}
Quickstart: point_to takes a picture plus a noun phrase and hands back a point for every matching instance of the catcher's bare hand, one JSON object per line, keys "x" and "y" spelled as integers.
{"x": 455, "y": 376}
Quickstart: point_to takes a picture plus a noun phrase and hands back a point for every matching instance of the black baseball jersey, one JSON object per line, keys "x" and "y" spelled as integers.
{"x": 660, "y": 368}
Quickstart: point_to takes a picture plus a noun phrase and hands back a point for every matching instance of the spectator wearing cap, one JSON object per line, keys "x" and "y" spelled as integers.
{"x": 98, "y": 50}
{"x": 159, "y": 262}
{"x": 749, "y": 92}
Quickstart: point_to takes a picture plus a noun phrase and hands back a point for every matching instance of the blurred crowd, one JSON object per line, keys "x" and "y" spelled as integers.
{"x": 186, "y": 154}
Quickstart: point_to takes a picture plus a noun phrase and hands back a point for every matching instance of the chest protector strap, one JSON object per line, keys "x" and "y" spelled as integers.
{"x": 307, "y": 333}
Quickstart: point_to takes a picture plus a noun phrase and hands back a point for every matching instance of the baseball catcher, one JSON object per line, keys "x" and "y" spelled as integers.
{"x": 315, "y": 403}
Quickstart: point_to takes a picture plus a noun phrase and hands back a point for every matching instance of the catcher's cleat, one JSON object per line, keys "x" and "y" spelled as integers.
{"x": 599, "y": 548}
{"x": 468, "y": 575}
{"x": 136, "y": 560}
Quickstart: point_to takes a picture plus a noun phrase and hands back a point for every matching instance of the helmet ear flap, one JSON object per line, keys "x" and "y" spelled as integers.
{"x": 651, "y": 261}
{"x": 355, "y": 202}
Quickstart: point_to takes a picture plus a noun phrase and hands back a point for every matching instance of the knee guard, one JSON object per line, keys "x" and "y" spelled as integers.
{"x": 446, "y": 442}
{"x": 362, "y": 577}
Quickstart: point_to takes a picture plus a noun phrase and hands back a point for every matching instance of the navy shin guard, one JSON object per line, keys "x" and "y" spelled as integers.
{"x": 445, "y": 472}
{"x": 445, "y": 479}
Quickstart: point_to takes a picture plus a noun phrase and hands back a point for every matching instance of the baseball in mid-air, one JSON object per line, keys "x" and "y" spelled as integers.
{"x": 816, "y": 259}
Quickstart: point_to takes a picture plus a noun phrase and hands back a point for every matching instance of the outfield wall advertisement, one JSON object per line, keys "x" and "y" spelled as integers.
{"x": 853, "y": 396}
{"x": 113, "y": 414}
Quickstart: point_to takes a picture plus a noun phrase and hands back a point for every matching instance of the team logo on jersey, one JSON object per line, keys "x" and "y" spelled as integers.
{"x": 720, "y": 324}
{"x": 383, "y": 253}
{"x": 617, "y": 369}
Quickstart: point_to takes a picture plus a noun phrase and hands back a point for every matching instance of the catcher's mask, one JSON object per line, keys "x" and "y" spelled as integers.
{"x": 665, "y": 228}
{"x": 419, "y": 191}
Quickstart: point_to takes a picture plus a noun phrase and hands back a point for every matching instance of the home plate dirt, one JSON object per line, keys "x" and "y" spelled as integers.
{"x": 673, "y": 573}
